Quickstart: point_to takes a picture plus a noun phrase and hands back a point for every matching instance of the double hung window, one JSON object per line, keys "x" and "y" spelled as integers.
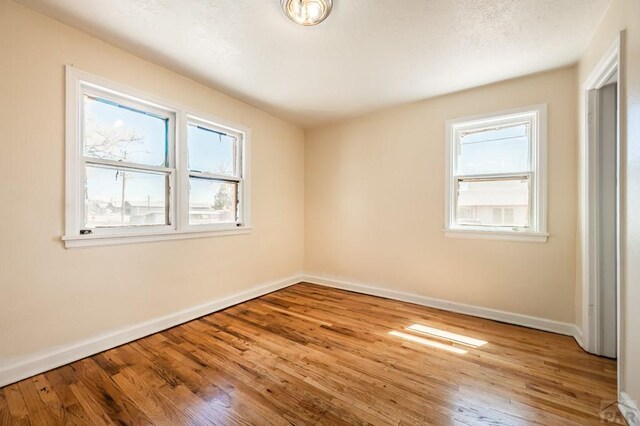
{"x": 496, "y": 180}
{"x": 141, "y": 169}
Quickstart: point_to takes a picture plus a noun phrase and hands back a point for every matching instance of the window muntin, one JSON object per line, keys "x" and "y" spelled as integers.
{"x": 496, "y": 176}
{"x": 128, "y": 177}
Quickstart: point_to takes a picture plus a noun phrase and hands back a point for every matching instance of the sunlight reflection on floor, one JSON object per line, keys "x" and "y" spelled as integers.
{"x": 447, "y": 335}
{"x": 426, "y": 342}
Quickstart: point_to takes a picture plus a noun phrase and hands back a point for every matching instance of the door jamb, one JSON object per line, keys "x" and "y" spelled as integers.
{"x": 611, "y": 63}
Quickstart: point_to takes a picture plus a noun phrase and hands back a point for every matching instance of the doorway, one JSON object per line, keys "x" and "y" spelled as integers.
{"x": 606, "y": 118}
{"x": 601, "y": 214}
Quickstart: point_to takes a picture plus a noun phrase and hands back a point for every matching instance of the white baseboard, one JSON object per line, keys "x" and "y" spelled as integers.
{"x": 629, "y": 409}
{"x": 55, "y": 357}
{"x": 476, "y": 311}
{"x": 577, "y": 334}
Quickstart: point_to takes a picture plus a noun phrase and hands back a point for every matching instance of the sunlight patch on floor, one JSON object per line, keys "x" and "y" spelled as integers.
{"x": 427, "y": 342}
{"x": 447, "y": 335}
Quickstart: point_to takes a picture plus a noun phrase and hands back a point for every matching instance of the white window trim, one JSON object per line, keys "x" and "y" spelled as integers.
{"x": 179, "y": 179}
{"x": 538, "y": 178}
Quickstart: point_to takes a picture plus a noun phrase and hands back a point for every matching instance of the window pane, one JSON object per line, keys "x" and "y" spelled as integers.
{"x": 212, "y": 201}
{"x": 115, "y": 197}
{"x": 509, "y": 215}
{"x": 496, "y": 150}
{"x": 496, "y": 203}
{"x": 497, "y": 215}
{"x": 116, "y": 132}
{"x": 211, "y": 151}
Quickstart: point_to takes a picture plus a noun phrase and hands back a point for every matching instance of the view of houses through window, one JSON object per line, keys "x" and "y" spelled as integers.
{"x": 494, "y": 203}
{"x": 129, "y": 164}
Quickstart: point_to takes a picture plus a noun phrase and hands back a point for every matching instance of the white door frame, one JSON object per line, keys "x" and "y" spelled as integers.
{"x": 609, "y": 65}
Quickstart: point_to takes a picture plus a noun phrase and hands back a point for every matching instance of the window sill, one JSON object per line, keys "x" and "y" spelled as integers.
{"x": 132, "y": 238}
{"x": 529, "y": 237}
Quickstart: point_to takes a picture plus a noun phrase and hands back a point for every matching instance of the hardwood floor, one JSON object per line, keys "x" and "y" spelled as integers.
{"x": 313, "y": 355}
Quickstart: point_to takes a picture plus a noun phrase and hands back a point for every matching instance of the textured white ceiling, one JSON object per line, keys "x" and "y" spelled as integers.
{"x": 369, "y": 54}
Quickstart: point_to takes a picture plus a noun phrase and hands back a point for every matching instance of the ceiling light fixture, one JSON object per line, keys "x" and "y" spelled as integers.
{"x": 307, "y": 12}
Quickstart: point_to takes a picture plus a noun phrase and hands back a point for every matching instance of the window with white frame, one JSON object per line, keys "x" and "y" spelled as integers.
{"x": 141, "y": 169}
{"x": 496, "y": 175}
{"x": 215, "y": 166}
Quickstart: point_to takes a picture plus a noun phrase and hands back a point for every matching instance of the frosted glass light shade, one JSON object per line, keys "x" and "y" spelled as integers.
{"x": 307, "y": 12}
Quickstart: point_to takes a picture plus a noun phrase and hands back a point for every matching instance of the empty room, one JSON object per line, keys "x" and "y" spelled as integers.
{"x": 320, "y": 212}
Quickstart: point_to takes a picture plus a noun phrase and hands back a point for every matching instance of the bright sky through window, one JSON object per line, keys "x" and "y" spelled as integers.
{"x": 500, "y": 150}
{"x": 117, "y": 133}
{"x": 211, "y": 151}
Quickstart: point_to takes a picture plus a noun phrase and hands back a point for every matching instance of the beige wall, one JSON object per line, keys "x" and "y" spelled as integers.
{"x": 374, "y": 190}
{"x": 53, "y": 296}
{"x": 625, "y": 14}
